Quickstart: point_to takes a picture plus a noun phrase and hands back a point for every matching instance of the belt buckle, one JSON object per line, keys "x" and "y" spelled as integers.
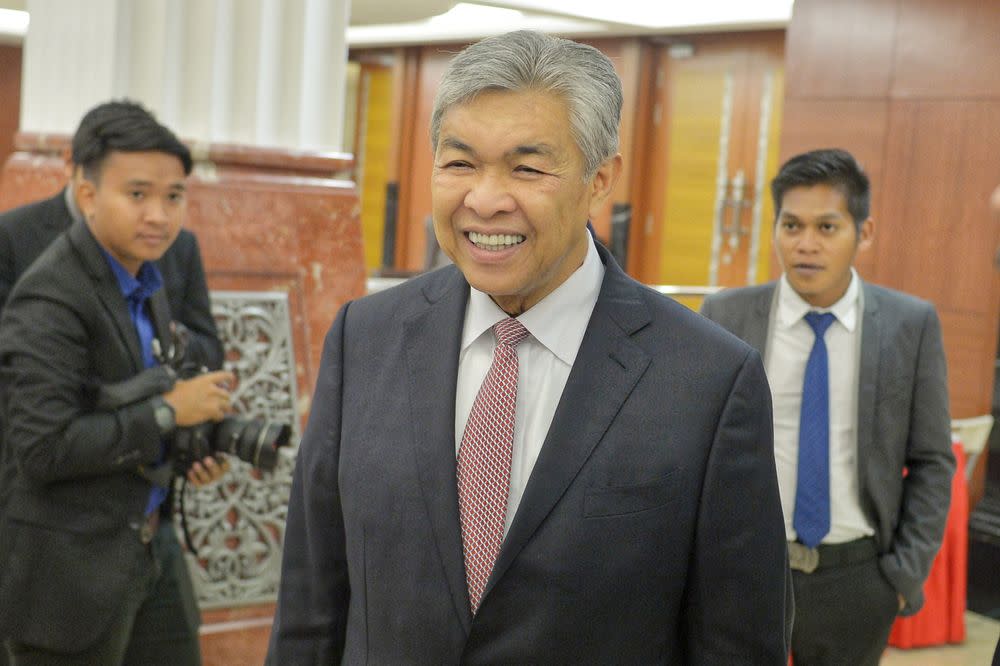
{"x": 802, "y": 558}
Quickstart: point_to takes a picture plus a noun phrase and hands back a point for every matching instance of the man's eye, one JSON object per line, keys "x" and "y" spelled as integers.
{"x": 457, "y": 164}
{"x": 137, "y": 195}
{"x": 527, "y": 169}
{"x": 175, "y": 197}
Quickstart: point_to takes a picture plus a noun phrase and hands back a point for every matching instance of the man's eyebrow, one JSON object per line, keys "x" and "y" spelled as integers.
{"x": 137, "y": 182}
{"x": 542, "y": 149}
{"x": 455, "y": 144}
{"x": 823, "y": 217}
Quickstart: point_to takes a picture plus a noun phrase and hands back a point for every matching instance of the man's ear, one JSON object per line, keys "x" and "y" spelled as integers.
{"x": 86, "y": 193}
{"x": 866, "y": 234}
{"x": 603, "y": 183}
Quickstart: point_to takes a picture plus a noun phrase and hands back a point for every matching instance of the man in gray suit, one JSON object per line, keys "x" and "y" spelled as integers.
{"x": 863, "y": 449}
{"x": 586, "y": 489}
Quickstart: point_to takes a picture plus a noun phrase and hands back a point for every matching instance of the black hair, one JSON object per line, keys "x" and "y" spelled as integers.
{"x": 830, "y": 166}
{"x": 123, "y": 126}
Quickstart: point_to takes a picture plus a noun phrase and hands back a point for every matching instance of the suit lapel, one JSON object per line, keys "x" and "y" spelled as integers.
{"x": 871, "y": 345}
{"x": 755, "y": 334}
{"x": 607, "y": 355}
{"x": 433, "y": 340}
{"x": 107, "y": 289}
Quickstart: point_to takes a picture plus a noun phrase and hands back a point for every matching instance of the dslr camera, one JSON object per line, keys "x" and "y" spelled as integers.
{"x": 255, "y": 441}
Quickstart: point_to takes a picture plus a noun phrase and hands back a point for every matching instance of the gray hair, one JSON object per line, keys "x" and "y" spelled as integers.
{"x": 526, "y": 60}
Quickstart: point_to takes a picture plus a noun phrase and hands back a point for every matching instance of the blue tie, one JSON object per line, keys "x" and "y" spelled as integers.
{"x": 812, "y": 494}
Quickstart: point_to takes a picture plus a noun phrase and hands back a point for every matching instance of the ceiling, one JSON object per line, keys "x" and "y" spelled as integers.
{"x": 394, "y": 22}
{"x": 379, "y": 22}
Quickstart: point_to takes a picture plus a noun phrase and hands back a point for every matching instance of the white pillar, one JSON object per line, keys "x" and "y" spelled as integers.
{"x": 257, "y": 72}
{"x": 71, "y": 61}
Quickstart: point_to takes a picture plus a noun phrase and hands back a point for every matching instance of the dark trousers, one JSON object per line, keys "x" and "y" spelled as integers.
{"x": 843, "y": 615}
{"x": 156, "y": 624}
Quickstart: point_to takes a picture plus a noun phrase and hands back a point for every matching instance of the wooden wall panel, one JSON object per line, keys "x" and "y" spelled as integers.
{"x": 912, "y": 88}
{"x": 948, "y": 49}
{"x": 10, "y": 98}
{"x": 940, "y": 220}
{"x": 970, "y": 381}
{"x": 939, "y": 242}
{"x": 841, "y": 49}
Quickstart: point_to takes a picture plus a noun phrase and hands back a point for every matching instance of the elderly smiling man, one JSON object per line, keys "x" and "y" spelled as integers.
{"x": 528, "y": 457}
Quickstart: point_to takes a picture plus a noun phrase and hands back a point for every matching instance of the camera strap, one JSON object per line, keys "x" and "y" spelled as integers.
{"x": 184, "y": 522}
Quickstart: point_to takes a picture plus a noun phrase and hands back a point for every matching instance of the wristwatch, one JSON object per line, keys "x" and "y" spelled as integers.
{"x": 166, "y": 419}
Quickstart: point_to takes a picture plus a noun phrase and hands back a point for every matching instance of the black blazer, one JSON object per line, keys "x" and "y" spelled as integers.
{"x": 26, "y": 231}
{"x": 650, "y": 530}
{"x": 69, "y": 537}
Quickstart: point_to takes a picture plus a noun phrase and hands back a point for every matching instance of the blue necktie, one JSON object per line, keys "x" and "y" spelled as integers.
{"x": 812, "y": 494}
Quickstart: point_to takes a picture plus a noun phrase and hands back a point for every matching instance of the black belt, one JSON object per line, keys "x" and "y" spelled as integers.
{"x": 830, "y": 555}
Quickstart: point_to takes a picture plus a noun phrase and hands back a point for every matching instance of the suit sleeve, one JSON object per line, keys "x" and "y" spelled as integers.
{"x": 311, "y": 616}
{"x": 204, "y": 347}
{"x": 52, "y": 429}
{"x": 738, "y": 607}
{"x": 930, "y": 465}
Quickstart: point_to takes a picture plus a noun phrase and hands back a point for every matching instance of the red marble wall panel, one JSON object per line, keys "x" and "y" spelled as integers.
{"x": 298, "y": 235}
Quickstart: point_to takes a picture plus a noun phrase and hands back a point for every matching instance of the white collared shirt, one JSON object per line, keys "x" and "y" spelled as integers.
{"x": 790, "y": 341}
{"x": 556, "y": 325}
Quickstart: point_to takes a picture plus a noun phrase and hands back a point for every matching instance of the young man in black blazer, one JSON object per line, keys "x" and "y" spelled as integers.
{"x": 87, "y": 571}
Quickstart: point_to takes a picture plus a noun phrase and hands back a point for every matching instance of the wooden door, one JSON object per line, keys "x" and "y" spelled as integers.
{"x": 713, "y": 149}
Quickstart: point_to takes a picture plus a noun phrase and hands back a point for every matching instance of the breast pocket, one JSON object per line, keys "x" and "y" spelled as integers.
{"x": 622, "y": 500}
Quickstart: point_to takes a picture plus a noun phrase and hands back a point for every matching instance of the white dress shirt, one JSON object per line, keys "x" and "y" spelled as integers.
{"x": 789, "y": 344}
{"x": 556, "y": 325}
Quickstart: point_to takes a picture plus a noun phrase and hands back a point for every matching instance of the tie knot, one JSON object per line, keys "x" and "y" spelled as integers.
{"x": 820, "y": 321}
{"x": 509, "y": 332}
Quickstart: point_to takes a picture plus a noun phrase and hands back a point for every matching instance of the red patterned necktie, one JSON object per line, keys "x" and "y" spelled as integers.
{"x": 484, "y": 461}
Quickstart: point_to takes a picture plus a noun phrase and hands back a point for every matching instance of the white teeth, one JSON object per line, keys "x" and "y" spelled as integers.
{"x": 495, "y": 241}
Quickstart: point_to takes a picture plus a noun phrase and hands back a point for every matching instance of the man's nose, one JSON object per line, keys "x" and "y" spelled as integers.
{"x": 156, "y": 211}
{"x": 488, "y": 196}
{"x": 809, "y": 240}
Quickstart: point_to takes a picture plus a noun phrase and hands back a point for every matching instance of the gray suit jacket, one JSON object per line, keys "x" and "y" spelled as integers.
{"x": 903, "y": 421}
{"x": 650, "y": 530}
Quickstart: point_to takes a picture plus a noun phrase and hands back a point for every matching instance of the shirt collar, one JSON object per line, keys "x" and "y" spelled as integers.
{"x": 792, "y": 307}
{"x": 558, "y": 321}
{"x": 139, "y": 287}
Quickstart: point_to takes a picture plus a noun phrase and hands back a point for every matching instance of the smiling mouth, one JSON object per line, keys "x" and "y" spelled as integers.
{"x": 494, "y": 242}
